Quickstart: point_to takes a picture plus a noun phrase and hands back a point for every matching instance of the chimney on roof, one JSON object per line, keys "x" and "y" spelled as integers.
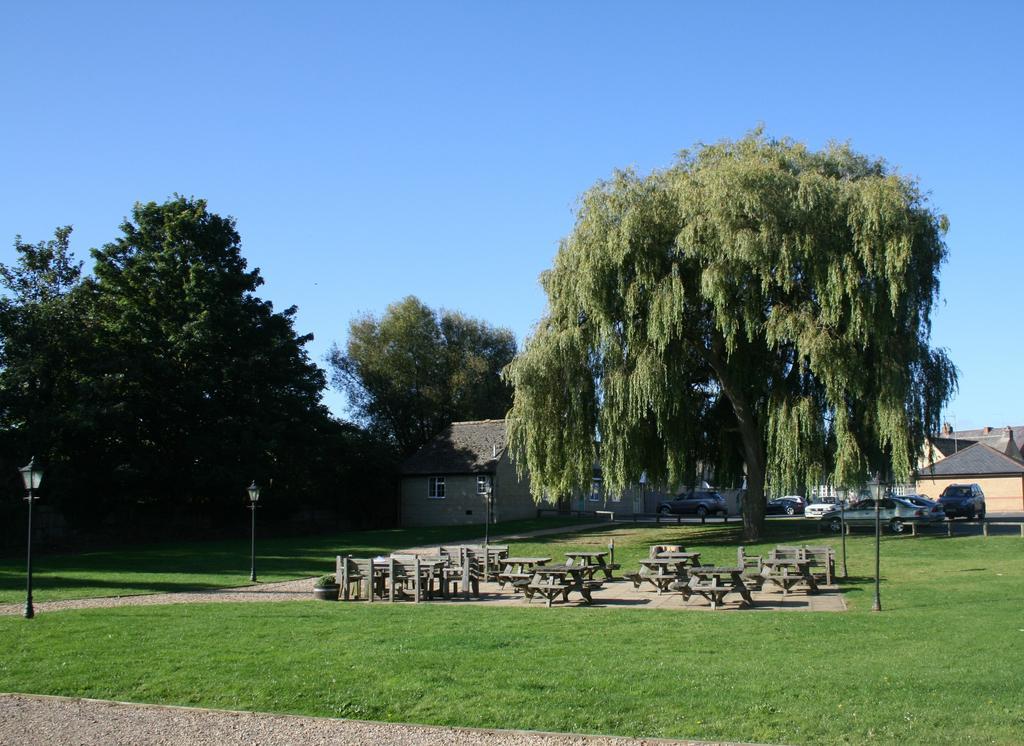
{"x": 947, "y": 429}
{"x": 987, "y": 430}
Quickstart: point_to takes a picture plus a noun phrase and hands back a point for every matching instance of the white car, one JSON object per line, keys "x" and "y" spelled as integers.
{"x": 817, "y": 510}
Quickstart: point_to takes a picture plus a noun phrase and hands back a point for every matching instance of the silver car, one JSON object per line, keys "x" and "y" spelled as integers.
{"x": 817, "y": 510}
{"x": 894, "y": 512}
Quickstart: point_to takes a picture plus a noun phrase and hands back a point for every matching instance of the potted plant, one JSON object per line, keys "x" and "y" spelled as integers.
{"x": 326, "y": 588}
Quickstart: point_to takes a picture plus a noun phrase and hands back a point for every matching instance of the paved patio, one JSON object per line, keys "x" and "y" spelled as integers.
{"x": 621, "y": 594}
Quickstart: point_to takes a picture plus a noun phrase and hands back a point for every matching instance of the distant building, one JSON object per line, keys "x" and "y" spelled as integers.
{"x": 445, "y": 482}
{"x": 991, "y": 458}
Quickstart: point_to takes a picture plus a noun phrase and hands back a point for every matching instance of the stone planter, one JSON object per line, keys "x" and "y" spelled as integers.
{"x": 326, "y": 592}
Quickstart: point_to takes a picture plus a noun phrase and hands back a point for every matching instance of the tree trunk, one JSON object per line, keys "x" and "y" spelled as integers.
{"x": 753, "y": 507}
{"x": 753, "y": 498}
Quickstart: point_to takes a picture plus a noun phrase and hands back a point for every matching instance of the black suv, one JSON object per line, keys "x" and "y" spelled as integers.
{"x": 696, "y": 502}
{"x": 965, "y": 500}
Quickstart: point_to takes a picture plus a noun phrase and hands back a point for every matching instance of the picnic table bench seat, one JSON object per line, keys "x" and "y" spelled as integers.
{"x": 548, "y": 587}
{"x": 752, "y": 567}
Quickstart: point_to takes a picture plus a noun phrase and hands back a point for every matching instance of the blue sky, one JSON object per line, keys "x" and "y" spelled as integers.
{"x": 371, "y": 151}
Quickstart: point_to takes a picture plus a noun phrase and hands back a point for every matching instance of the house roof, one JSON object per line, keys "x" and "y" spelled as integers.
{"x": 949, "y": 446}
{"x": 472, "y": 447}
{"x": 975, "y": 460}
{"x": 1007, "y": 440}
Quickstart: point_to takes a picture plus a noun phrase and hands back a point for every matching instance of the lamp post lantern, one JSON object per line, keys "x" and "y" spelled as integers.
{"x": 254, "y": 496}
{"x": 32, "y": 476}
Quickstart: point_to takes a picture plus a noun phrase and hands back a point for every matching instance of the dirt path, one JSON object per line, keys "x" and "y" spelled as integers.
{"x": 62, "y": 721}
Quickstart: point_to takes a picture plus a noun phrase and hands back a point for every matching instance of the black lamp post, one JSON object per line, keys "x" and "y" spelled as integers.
{"x": 31, "y": 475}
{"x": 842, "y": 525}
{"x": 254, "y": 496}
{"x": 488, "y": 495}
{"x": 877, "y": 603}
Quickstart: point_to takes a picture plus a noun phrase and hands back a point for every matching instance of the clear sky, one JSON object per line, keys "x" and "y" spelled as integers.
{"x": 375, "y": 150}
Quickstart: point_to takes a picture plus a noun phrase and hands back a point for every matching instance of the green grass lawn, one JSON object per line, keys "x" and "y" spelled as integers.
{"x": 943, "y": 662}
{"x": 216, "y": 564}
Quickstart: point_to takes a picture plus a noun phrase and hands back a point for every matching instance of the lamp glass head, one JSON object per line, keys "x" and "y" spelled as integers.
{"x": 31, "y": 475}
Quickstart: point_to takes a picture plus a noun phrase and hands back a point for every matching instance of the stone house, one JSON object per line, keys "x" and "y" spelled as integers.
{"x": 445, "y": 482}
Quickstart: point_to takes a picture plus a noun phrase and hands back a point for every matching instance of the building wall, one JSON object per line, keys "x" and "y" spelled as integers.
{"x": 512, "y": 499}
{"x": 1001, "y": 493}
{"x": 461, "y": 504}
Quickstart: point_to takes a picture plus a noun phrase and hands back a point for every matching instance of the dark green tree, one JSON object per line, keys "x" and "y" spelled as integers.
{"x": 42, "y": 343}
{"x": 758, "y": 297}
{"x": 413, "y": 371}
{"x": 206, "y": 384}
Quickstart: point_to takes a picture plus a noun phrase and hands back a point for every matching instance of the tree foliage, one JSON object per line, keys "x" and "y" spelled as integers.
{"x": 413, "y": 371}
{"x": 164, "y": 383}
{"x": 757, "y": 303}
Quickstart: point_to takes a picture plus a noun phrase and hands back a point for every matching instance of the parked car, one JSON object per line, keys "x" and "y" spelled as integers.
{"x": 935, "y": 510}
{"x": 894, "y": 512}
{"x": 695, "y": 502}
{"x": 965, "y": 500}
{"x": 784, "y": 506}
{"x": 817, "y": 510}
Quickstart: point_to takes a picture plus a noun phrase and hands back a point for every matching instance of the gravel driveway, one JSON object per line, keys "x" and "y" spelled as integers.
{"x": 60, "y": 721}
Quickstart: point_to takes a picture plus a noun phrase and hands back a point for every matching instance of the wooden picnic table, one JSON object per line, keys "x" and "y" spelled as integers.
{"x": 551, "y": 581}
{"x": 692, "y": 558}
{"x": 715, "y": 583}
{"x": 789, "y": 572}
{"x": 662, "y": 572}
{"x": 395, "y": 577}
{"x": 591, "y": 563}
{"x": 518, "y": 568}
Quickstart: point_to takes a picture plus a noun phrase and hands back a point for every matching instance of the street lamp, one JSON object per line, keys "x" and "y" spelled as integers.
{"x": 31, "y": 475}
{"x": 488, "y": 494}
{"x": 254, "y": 496}
{"x": 877, "y": 603}
{"x": 842, "y": 525}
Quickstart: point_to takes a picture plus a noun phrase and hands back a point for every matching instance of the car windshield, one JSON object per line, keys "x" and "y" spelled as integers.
{"x": 957, "y": 492}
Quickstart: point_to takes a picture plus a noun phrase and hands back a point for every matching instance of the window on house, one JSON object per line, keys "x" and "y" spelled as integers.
{"x": 616, "y": 498}
{"x": 482, "y": 481}
{"x": 435, "y": 487}
{"x": 595, "y": 490}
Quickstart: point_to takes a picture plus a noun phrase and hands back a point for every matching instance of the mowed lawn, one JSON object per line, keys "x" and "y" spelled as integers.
{"x": 202, "y": 565}
{"x": 942, "y": 663}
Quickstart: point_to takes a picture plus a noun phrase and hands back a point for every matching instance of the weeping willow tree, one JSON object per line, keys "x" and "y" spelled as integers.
{"x": 758, "y": 306}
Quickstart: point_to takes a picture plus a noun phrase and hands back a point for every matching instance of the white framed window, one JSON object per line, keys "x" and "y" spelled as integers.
{"x": 435, "y": 488}
{"x": 483, "y": 481}
{"x": 616, "y": 498}
{"x": 595, "y": 490}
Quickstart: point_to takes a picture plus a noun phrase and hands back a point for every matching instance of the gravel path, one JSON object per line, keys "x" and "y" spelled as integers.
{"x": 289, "y": 590}
{"x": 60, "y": 721}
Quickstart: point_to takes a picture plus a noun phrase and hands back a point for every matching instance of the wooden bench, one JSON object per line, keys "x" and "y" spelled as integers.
{"x": 609, "y": 513}
{"x": 463, "y": 573}
{"x": 823, "y": 562}
{"x": 752, "y": 567}
{"x": 351, "y": 573}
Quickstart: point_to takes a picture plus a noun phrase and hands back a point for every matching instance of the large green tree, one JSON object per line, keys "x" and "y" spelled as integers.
{"x": 206, "y": 381}
{"x": 45, "y": 349}
{"x": 757, "y": 297}
{"x": 412, "y": 371}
